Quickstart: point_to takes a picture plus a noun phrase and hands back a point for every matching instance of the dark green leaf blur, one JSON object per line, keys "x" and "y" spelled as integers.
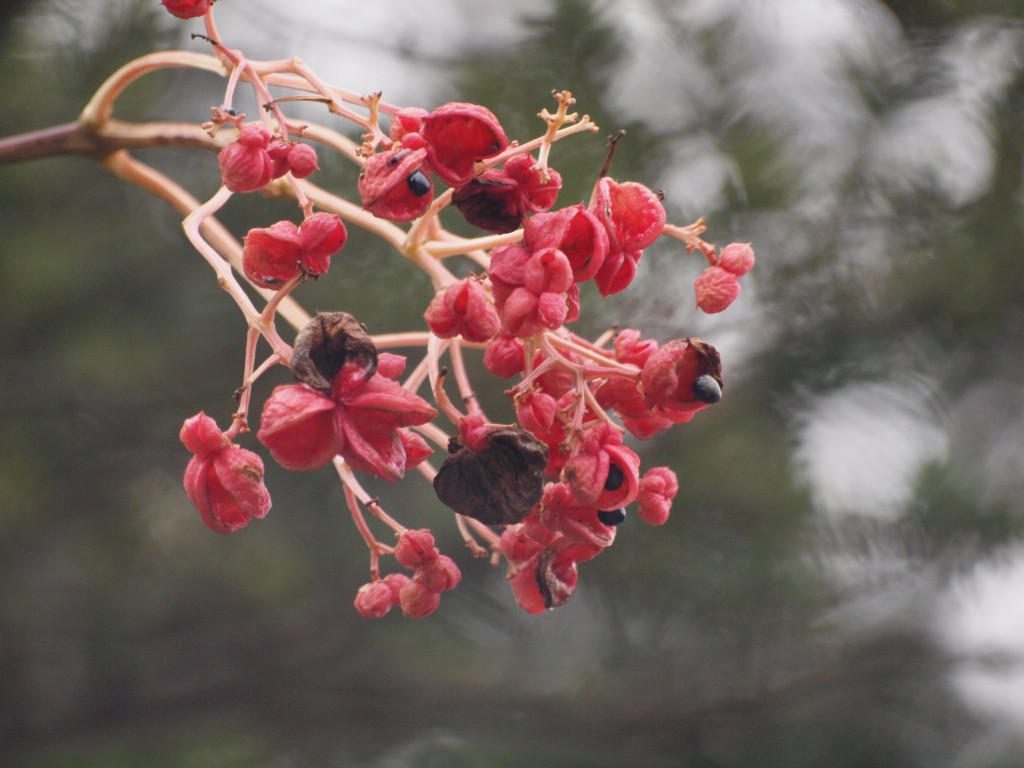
{"x": 842, "y": 579}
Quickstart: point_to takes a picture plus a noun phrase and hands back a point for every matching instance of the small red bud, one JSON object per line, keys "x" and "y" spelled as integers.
{"x": 301, "y": 160}
{"x": 716, "y": 289}
{"x": 658, "y": 487}
{"x": 415, "y": 549}
{"x": 463, "y": 309}
{"x": 373, "y": 600}
{"x": 245, "y": 164}
{"x": 504, "y": 356}
{"x": 737, "y": 258}
{"x": 417, "y": 600}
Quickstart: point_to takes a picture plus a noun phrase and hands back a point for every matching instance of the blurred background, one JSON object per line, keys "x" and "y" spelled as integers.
{"x": 842, "y": 580}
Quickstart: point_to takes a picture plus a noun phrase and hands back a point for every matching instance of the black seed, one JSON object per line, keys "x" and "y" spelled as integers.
{"x": 612, "y": 517}
{"x": 399, "y": 157}
{"x": 706, "y": 389}
{"x": 614, "y": 480}
{"x": 418, "y": 183}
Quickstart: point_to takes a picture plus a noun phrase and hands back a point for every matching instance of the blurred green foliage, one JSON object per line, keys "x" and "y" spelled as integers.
{"x": 130, "y": 635}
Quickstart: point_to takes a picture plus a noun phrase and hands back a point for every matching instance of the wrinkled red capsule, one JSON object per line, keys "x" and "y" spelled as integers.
{"x": 463, "y": 309}
{"x": 633, "y": 217}
{"x": 658, "y": 487}
{"x": 458, "y": 135}
{"x": 245, "y": 163}
{"x": 681, "y": 378}
{"x": 604, "y": 474}
{"x": 716, "y": 288}
{"x": 223, "y": 481}
{"x": 574, "y": 231}
{"x": 385, "y": 187}
{"x": 349, "y": 404}
{"x": 271, "y": 255}
{"x": 539, "y": 192}
{"x": 298, "y": 159}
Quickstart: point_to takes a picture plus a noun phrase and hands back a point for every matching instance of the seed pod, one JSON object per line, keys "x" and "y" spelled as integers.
{"x": 393, "y": 186}
{"x": 497, "y": 485}
{"x": 329, "y": 342}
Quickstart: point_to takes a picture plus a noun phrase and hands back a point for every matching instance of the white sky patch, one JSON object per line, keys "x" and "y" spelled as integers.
{"x": 940, "y": 144}
{"x": 981, "y": 620}
{"x": 860, "y": 449}
{"x": 401, "y": 47}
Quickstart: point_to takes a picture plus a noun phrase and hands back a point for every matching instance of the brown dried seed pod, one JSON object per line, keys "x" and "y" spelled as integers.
{"x": 498, "y": 485}
{"x": 329, "y": 341}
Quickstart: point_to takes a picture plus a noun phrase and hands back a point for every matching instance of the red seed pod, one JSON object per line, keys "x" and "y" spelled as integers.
{"x": 458, "y": 135}
{"x": 633, "y": 217}
{"x": 506, "y": 271}
{"x": 463, "y": 308}
{"x": 245, "y": 163}
{"x": 223, "y": 481}
{"x": 405, "y": 121}
{"x": 632, "y": 213}
{"x": 522, "y": 577}
{"x": 321, "y": 236}
{"x": 298, "y": 159}
{"x": 658, "y": 487}
{"x": 539, "y": 194}
{"x": 415, "y": 549}
{"x": 278, "y": 151}
{"x": 200, "y": 434}
{"x": 187, "y": 9}
{"x": 417, "y": 600}
{"x": 516, "y": 545}
{"x": 299, "y": 426}
{"x": 575, "y": 232}
{"x": 504, "y": 356}
{"x": 716, "y": 288}
{"x": 301, "y": 160}
{"x": 604, "y": 474}
{"x": 373, "y": 600}
{"x": 617, "y": 271}
{"x": 556, "y": 576}
{"x": 395, "y": 582}
{"x": 631, "y": 348}
{"x": 681, "y": 378}
{"x": 561, "y": 511}
{"x": 737, "y": 258}
{"x": 393, "y": 185}
{"x": 537, "y": 412}
{"x": 542, "y": 301}
{"x": 441, "y": 575}
{"x": 271, "y": 255}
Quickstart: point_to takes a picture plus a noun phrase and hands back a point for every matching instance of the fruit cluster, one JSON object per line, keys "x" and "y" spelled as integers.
{"x": 546, "y": 492}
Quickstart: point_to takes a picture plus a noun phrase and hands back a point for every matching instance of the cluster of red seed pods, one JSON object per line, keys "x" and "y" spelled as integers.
{"x": 545, "y": 492}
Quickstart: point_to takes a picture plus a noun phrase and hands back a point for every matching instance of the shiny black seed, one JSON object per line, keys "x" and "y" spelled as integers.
{"x": 612, "y": 517}
{"x": 399, "y": 157}
{"x": 418, "y": 183}
{"x": 614, "y": 480}
{"x": 706, "y": 389}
